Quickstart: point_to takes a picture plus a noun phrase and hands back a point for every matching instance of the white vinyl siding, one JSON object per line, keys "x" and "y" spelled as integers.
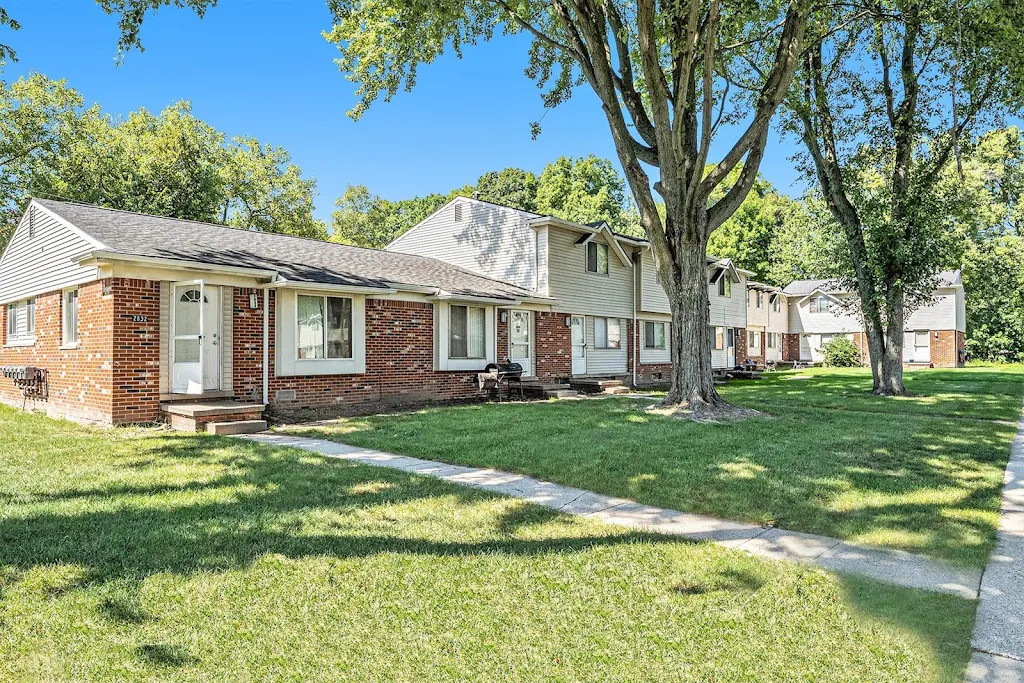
{"x": 649, "y": 353}
{"x": 652, "y": 295}
{"x": 729, "y": 311}
{"x": 841, "y": 316}
{"x": 27, "y": 268}
{"x": 939, "y": 314}
{"x": 757, "y": 315}
{"x": 491, "y": 240}
{"x": 581, "y": 292}
{"x": 603, "y": 361}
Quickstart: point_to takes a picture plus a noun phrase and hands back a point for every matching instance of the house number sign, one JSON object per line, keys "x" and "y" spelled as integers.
{"x": 140, "y": 318}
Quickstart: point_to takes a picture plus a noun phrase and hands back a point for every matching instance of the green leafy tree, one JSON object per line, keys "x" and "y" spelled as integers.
{"x": 882, "y": 100}
{"x": 808, "y": 244}
{"x": 667, "y": 76}
{"x": 265, "y": 191}
{"x": 509, "y": 187}
{"x": 368, "y": 220}
{"x": 584, "y": 190}
{"x": 37, "y": 117}
{"x": 993, "y": 274}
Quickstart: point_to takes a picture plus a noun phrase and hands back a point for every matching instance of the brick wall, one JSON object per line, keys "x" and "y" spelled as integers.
{"x": 740, "y": 338}
{"x": 947, "y": 348}
{"x": 136, "y": 351}
{"x": 554, "y": 345}
{"x": 79, "y": 379}
{"x": 790, "y": 347}
{"x": 399, "y": 361}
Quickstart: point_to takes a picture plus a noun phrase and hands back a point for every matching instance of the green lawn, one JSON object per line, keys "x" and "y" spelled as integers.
{"x": 922, "y": 474}
{"x": 129, "y": 555}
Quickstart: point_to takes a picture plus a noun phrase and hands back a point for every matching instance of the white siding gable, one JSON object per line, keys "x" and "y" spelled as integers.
{"x": 843, "y": 316}
{"x": 41, "y": 262}
{"x": 940, "y": 314}
{"x": 492, "y": 240}
{"x": 729, "y": 311}
{"x": 580, "y": 291}
{"x": 652, "y": 295}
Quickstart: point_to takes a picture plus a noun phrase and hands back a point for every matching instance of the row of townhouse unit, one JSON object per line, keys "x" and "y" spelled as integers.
{"x": 126, "y": 313}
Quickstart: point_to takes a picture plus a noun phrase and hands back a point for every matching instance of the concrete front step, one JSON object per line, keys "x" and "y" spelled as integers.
{"x": 594, "y": 384}
{"x": 616, "y": 390}
{"x": 239, "y": 427}
{"x": 195, "y": 416}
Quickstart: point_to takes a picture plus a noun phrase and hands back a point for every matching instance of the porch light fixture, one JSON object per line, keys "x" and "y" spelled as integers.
{"x": 504, "y": 316}
{"x": 568, "y": 321}
{"x": 254, "y": 300}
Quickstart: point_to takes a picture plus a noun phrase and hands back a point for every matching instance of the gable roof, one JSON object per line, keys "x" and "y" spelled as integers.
{"x": 946, "y": 278}
{"x": 296, "y": 259}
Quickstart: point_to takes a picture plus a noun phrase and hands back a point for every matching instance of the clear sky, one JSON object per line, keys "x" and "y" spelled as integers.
{"x": 262, "y": 68}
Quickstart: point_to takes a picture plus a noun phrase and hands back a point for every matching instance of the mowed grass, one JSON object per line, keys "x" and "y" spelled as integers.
{"x": 131, "y": 555}
{"x": 922, "y": 474}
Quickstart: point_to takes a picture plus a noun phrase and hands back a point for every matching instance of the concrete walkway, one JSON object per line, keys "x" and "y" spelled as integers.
{"x": 890, "y": 566}
{"x": 998, "y": 640}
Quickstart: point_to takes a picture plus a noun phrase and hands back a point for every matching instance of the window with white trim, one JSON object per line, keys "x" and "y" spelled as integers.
{"x": 597, "y": 258}
{"x": 719, "y": 338}
{"x": 725, "y": 285}
{"x": 754, "y": 341}
{"x": 30, "y": 316}
{"x": 759, "y": 296}
{"x": 607, "y": 333}
{"x": 12, "y": 321}
{"x": 69, "y": 317}
{"x": 820, "y": 304}
{"x": 323, "y": 327}
{"x": 654, "y": 335}
{"x": 777, "y": 304}
{"x": 467, "y": 329}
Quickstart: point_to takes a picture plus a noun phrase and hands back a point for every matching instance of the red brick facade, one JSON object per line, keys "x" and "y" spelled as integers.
{"x": 947, "y": 348}
{"x": 112, "y": 376}
{"x": 399, "y": 361}
{"x": 790, "y": 347}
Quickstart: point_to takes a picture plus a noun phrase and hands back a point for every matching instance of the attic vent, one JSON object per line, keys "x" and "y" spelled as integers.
{"x": 31, "y": 222}
{"x": 458, "y": 212}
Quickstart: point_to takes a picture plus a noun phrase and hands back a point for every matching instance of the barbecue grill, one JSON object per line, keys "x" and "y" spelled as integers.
{"x": 497, "y": 374}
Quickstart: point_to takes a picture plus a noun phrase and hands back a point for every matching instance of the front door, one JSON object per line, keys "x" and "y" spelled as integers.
{"x": 730, "y": 348}
{"x": 195, "y": 331}
{"x": 579, "y": 344}
{"x": 520, "y": 339}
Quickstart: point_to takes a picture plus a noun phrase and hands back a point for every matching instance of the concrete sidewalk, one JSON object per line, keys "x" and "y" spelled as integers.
{"x": 891, "y": 566}
{"x": 998, "y": 640}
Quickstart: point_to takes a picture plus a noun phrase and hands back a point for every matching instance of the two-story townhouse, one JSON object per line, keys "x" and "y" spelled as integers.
{"x": 820, "y": 310}
{"x": 767, "y": 322}
{"x": 610, "y": 316}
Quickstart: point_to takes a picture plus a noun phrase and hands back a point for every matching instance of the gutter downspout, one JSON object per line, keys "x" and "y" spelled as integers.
{"x": 636, "y": 332}
{"x": 266, "y": 344}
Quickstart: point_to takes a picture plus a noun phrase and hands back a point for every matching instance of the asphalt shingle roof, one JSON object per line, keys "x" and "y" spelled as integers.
{"x": 295, "y": 258}
{"x": 947, "y": 278}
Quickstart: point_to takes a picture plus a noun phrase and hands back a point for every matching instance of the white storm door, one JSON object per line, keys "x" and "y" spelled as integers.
{"x": 520, "y": 339}
{"x": 579, "y": 344}
{"x": 922, "y": 346}
{"x": 211, "y": 338}
{"x": 195, "y": 338}
{"x": 730, "y": 348}
{"x": 186, "y": 335}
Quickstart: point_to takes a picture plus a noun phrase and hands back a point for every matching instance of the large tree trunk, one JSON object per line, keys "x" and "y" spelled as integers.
{"x": 876, "y": 350}
{"x": 693, "y": 386}
{"x": 892, "y": 360}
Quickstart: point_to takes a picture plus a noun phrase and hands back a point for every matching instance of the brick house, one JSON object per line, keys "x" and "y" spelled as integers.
{"x": 127, "y": 313}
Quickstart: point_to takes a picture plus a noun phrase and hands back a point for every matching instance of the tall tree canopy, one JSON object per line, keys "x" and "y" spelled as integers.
{"x": 169, "y": 164}
{"x": 585, "y": 190}
{"x": 886, "y": 92}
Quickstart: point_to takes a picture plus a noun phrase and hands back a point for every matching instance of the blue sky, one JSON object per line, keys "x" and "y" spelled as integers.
{"x": 261, "y": 68}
